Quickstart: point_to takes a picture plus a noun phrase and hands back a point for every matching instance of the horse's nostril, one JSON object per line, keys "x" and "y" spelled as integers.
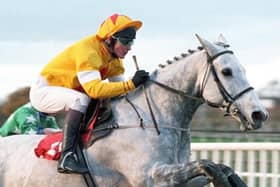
{"x": 259, "y": 116}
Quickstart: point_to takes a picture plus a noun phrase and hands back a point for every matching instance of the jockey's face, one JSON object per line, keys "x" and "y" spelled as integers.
{"x": 122, "y": 47}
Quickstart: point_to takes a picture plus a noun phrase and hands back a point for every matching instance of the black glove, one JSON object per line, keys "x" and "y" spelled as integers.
{"x": 140, "y": 77}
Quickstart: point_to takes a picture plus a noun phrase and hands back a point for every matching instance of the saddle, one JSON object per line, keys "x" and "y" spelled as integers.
{"x": 98, "y": 122}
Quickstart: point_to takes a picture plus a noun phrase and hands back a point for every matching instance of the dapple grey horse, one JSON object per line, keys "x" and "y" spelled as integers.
{"x": 149, "y": 156}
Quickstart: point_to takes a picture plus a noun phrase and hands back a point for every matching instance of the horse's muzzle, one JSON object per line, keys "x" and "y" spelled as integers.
{"x": 259, "y": 117}
{"x": 257, "y": 120}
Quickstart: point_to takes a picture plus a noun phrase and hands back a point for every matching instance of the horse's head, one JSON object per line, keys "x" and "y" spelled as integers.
{"x": 224, "y": 85}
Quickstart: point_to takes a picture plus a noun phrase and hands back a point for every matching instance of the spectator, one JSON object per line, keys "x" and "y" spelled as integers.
{"x": 27, "y": 120}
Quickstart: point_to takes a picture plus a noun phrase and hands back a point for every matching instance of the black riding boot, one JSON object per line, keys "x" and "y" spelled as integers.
{"x": 68, "y": 162}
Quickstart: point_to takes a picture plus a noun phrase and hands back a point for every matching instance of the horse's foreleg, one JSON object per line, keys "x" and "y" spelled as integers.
{"x": 192, "y": 174}
{"x": 166, "y": 175}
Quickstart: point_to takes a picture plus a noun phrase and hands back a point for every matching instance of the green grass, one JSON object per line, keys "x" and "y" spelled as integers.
{"x": 223, "y": 139}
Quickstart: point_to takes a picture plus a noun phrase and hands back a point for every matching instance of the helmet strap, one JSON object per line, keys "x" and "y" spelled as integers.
{"x": 110, "y": 43}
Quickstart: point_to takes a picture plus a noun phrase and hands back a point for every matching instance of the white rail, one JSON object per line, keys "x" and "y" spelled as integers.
{"x": 257, "y": 163}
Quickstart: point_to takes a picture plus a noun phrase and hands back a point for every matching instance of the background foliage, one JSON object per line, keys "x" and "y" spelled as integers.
{"x": 13, "y": 101}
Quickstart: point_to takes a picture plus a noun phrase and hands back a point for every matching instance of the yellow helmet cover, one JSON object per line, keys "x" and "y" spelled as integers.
{"x": 116, "y": 23}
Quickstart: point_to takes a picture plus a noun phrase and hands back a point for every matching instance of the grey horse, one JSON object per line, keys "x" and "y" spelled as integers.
{"x": 158, "y": 154}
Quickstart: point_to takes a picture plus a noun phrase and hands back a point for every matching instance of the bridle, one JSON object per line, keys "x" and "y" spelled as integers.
{"x": 228, "y": 98}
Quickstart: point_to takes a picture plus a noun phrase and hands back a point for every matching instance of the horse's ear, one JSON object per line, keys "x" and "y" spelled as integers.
{"x": 211, "y": 49}
{"x": 221, "y": 41}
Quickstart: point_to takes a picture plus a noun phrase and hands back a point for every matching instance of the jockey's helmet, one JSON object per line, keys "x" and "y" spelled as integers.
{"x": 115, "y": 24}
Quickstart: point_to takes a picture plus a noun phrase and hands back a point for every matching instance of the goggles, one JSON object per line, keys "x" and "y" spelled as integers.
{"x": 124, "y": 41}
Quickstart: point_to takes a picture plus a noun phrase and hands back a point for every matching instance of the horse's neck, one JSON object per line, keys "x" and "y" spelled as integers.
{"x": 168, "y": 107}
{"x": 183, "y": 75}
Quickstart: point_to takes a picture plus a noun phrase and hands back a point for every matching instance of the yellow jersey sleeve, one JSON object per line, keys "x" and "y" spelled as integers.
{"x": 90, "y": 77}
{"x": 100, "y": 89}
{"x": 83, "y": 66}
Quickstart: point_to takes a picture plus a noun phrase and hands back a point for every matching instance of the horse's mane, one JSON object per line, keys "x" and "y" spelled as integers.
{"x": 177, "y": 58}
{"x": 189, "y": 53}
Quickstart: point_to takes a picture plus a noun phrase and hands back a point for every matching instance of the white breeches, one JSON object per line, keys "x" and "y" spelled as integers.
{"x": 54, "y": 99}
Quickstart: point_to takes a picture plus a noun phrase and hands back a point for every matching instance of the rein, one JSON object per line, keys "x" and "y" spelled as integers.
{"x": 178, "y": 92}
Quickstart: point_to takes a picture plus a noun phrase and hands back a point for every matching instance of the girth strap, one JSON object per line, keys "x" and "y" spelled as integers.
{"x": 81, "y": 157}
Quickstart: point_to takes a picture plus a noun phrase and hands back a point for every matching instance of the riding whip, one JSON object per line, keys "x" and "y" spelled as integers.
{"x": 147, "y": 99}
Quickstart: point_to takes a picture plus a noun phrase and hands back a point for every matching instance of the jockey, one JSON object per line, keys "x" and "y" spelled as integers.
{"x": 77, "y": 74}
{"x": 27, "y": 120}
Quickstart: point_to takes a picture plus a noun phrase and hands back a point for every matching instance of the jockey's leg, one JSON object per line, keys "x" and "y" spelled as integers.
{"x": 55, "y": 99}
{"x": 68, "y": 162}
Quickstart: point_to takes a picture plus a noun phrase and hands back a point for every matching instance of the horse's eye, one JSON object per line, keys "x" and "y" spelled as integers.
{"x": 227, "y": 72}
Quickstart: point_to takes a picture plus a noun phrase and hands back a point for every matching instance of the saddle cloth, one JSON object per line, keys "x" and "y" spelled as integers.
{"x": 51, "y": 145}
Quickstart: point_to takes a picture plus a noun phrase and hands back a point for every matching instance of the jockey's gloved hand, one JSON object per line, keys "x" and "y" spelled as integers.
{"x": 140, "y": 77}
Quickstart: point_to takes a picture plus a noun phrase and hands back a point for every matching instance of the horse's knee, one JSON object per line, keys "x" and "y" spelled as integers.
{"x": 232, "y": 177}
{"x": 189, "y": 174}
{"x": 221, "y": 175}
